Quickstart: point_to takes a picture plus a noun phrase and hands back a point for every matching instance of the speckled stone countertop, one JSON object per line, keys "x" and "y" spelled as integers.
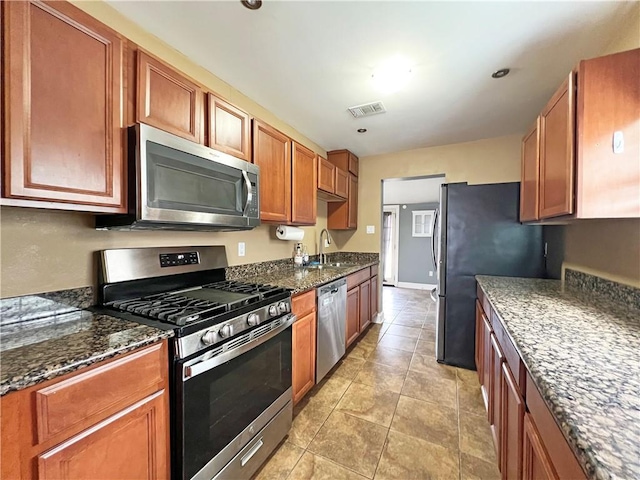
{"x": 302, "y": 279}
{"x": 583, "y": 353}
{"x": 37, "y": 344}
{"x": 282, "y": 273}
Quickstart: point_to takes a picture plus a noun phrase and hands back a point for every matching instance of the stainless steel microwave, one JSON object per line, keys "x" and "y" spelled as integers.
{"x": 176, "y": 184}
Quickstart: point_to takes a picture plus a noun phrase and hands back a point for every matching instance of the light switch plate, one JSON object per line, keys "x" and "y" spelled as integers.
{"x": 241, "y": 250}
{"x": 371, "y": 229}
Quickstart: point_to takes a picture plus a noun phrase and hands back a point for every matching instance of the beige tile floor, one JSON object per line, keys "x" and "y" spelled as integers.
{"x": 388, "y": 410}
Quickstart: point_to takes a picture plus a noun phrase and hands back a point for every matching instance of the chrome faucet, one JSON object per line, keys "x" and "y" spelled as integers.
{"x": 323, "y": 256}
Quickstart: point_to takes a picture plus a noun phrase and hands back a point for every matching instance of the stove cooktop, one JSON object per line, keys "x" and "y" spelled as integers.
{"x": 195, "y": 304}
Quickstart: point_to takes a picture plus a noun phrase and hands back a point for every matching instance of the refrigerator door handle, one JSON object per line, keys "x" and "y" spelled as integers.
{"x": 433, "y": 239}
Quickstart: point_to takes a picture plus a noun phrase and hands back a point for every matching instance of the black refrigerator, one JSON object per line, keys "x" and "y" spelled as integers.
{"x": 479, "y": 234}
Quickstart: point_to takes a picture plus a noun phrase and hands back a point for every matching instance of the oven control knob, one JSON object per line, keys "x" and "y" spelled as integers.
{"x": 283, "y": 307}
{"x": 253, "y": 320}
{"x": 273, "y": 311}
{"x": 225, "y": 331}
{"x": 209, "y": 338}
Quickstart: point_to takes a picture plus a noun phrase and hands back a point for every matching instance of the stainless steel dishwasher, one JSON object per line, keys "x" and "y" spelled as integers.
{"x": 332, "y": 326}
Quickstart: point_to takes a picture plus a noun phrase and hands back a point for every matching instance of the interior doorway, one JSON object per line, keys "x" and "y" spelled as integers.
{"x": 390, "y": 228}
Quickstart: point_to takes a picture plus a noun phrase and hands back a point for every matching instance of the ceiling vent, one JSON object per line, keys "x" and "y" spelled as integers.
{"x": 367, "y": 109}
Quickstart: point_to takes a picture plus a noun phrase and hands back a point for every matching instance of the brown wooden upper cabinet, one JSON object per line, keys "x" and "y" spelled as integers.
{"x": 167, "y": 100}
{"x": 588, "y": 145}
{"x": 272, "y": 153}
{"x": 229, "y": 128}
{"x": 63, "y": 137}
{"x": 326, "y": 176}
{"x": 304, "y": 182}
{"x": 557, "y": 160}
{"x": 345, "y": 160}
{"x": 344, "y": 215}
{"x": 530, "y": 176}
{"x": 332, "y": 181}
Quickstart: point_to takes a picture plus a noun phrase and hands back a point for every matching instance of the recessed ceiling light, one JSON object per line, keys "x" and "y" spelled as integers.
{"x": 252, "y": 4}
{"x": 361, "y": 130}
{"x": 393, "y": 74}
{"x": 503, "y": 72}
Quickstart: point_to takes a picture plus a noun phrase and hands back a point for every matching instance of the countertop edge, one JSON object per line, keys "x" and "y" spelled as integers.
{"x": 8, "y": 386}
{"x": 343, "y": 273}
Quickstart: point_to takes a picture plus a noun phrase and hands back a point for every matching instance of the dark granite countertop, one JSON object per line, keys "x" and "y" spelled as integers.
{"x": 40, "y": 340}
{"x": 583, "y": 353}
{"x": 302, "y": 279}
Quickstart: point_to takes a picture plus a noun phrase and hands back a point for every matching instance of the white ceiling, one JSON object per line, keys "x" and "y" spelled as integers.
{"x": 419, "y": 190}
{"x": 307, "y": 61}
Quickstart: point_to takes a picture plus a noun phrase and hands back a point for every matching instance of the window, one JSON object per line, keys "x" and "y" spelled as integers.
{"x": 422, "y": 224}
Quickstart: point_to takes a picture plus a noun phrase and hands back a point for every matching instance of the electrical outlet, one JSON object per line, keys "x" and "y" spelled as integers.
{"x": 241, "y": 250}
{"x": 371, "y": 229}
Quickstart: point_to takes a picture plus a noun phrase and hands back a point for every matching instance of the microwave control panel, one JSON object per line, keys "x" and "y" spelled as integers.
{"x": 176, "y": 259}
{"x": 252, "y": 210}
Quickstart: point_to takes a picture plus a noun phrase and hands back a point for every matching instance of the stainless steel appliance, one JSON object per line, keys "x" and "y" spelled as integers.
{"x": 479, "y": 234}
{"x": 231, "y": 395}
{"x": 332, "y": 326}
{"x": 176, "y": 184}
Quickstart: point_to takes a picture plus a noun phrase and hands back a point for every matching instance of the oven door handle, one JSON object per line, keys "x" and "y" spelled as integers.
{"x": 190, "y": 371}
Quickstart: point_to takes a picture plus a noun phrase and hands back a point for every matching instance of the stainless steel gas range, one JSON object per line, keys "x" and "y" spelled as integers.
{"x": 231, "y": 355}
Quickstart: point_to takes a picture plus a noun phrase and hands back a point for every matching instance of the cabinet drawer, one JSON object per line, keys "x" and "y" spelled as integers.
{"x": 304, "y": 303}
{"x": 562, "y": 457}
{"x": 89, "y": 397}
{"x": 358, "y": 277}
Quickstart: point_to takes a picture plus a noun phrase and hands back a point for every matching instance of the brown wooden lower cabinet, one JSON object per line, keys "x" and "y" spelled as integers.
{"x": 109, "y": 420}
{"x": 374, "y": 296}
{"x": 365, "y": 305}
{"x": 529, "y": 444}
{"x": 130, "y": 444}
{"x": 353, "y": 315}
{"x": 304, "y": 355}
{"x": 511, "y": 419}
{"x": 303, "y": 375}
{"x": 536, "y": 462}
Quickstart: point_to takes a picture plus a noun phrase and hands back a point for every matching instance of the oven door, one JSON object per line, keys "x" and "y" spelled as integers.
{"x": 184, "y": 182}
{"x": 228, "y": 395}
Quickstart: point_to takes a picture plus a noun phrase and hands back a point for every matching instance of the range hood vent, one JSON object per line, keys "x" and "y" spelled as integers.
{"x": 367, "y": 109}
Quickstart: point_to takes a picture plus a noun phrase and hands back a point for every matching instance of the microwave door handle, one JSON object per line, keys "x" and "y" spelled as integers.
{"x": 249, "y": 199}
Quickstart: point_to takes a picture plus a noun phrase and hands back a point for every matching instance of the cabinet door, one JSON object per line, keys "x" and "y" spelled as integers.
{"x": 497, "y": 359}
{"x": 353, "y": 315}
{"x": 512, "y": 416}
{"x": 304, "y": 355}
{"x": 530, "y": 176}
{"x": 365, "y": 305}
{"x": 374, "y": 296}
{"x": 326, "y": 175}
{"x": 229, "y": 129}
{"x": 272, "y": 153}
{"x": 486, "y": 368}
{"x": 479, "y": 354}
{"x": 342, "y": 183}
{"x": 557, "y": 132}
{"x": 64, "y": 95}
{"x": 353, "y": 202}
{"x": 167, "y": 100}
{"x": 130, "y": 444}
{"x": 304, "y": 192}
{"x": 536, "y": 464}
{"x": 353, "y": 164}
{"x": 608, "y": 101}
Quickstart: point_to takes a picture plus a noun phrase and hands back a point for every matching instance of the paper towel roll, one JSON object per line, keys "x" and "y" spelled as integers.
{"x": 284, "y": 232}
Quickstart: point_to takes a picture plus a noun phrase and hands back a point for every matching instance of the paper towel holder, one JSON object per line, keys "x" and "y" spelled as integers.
{"x": 288, "y": 233}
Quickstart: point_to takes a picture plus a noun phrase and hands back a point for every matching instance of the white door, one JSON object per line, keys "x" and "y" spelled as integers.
{"x": 390, "y": 229}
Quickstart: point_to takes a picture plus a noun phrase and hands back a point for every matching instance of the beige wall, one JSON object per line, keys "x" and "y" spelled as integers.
{"x": 494, "y": 160}
{"x": 49, "y": 250}
{"x": 609, "y": 248}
